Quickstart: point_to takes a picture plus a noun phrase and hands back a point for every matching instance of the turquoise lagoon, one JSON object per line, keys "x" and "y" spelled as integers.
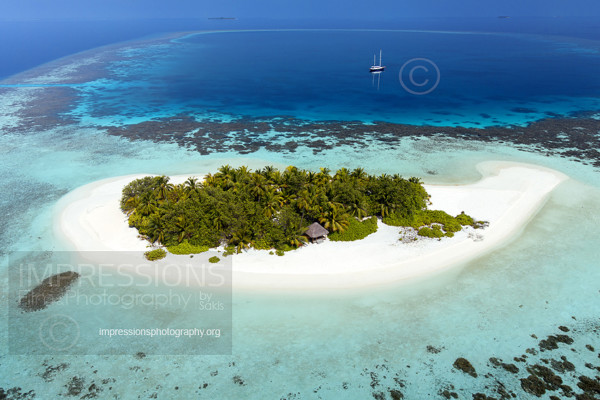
{"x": 352, "y": 344}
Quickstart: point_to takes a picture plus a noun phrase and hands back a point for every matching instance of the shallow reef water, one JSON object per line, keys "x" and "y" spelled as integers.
{"x": 520, "y": 322}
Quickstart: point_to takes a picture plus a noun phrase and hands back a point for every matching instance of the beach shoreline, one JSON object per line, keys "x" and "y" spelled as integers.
{"x": 509, "y": 195}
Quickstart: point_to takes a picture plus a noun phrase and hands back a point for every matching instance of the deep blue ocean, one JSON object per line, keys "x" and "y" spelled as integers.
{"x": 123, "y": 115}
{"x": 436, "y": 78}
{"x": 27, "y": 44}
{"x": 477, "y": 76}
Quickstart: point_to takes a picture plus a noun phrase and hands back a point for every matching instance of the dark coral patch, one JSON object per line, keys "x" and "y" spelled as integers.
{"x": 48, "y": 291}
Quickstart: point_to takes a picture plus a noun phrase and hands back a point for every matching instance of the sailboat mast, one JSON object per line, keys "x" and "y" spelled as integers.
{"x": 380, "y": 57}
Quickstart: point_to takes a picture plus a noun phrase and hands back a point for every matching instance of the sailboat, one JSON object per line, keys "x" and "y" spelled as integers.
{"x": 375, "y": 67}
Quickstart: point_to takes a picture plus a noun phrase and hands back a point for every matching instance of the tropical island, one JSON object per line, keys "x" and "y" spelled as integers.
{"x": 91, "y": 221}
{"x": 268, "y": 209}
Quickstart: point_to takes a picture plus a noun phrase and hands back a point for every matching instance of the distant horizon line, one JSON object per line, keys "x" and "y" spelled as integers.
{"x": 287, "y": 18}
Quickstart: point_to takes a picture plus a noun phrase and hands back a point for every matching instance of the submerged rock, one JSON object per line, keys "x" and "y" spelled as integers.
{"x": 504, "y": 393}
{"x": 533, "y": 385}
{"x": 496, "y": 362}
{"x": 75, "y": 386}
{"x": 552, "y": 341}
{"x": 48, "y": 291}
{"x": 512, "y": 368}
{"x": 238, "y": 380}
{"x": 448, "y": 394}
{"x": 16, "y": 393}
{"x": 551, "y": 380}
{"x": 465, "y": 366}
{"x": 589, "y": 386}
{"x": 51, "y": 371}
{"x": 378, "y": 395}
{"x": 563, "y": 365}
{"x": 433, "y": 350}
{"x": 481, "y": 396}
{"x": 573, "y": 137}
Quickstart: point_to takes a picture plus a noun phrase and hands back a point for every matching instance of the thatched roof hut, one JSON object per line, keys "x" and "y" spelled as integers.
{"x": 316, "y": 232}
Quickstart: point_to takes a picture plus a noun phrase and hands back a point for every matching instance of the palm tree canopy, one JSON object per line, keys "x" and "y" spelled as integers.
{"x": 265, "y": 208}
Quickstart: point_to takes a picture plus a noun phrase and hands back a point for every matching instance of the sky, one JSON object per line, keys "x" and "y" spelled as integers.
{"x": 341, "y": 9}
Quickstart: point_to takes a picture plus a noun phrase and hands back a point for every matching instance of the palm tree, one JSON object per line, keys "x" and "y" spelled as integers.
{"x": 163, "y": 187}
{"x": 331, "y": 205}
{"x": 147, "y": 204}
{"x": 335, "y": 220}
{"x": 306, "y": 201}
{"x": 185, "y": 229}
{"x": 156, "y": 229}
{"x": 242, "y": 175}
{"x": 224, "y": 170}
{"x": 275, "y": 177}
{"x": 386, "y": 207}
{"x": 291, "y": 170}
{"x": 385, "y": 193}
{"x": 317, "y": 199}
{"x": 243, "y": 171}
{"x": 226, "y": 176}
{"x": 359, "y": 174}
{"x": 269, "y": 169}
{"x": 272, "y": 202}
{"x": 242, "y": 240}
{"x": 342, "y": 175}
{"x": 217, "y": 221}
{"x": 324, "y": 176}
{"x": 257, "y": 186}
{"x": 191, "y": 185}
{"x": 357, "y": 210}
{"x": 311, "y": 178}
{"x": 297, "y": 238}
{"x": 294, "y": 180}
{"x": 210, "y": 180}
{"x": 268, "y": 173}
{"x": 131, "y": 204}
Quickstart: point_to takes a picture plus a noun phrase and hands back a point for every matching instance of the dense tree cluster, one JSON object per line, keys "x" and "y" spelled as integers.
{"x": 266, "y": 208}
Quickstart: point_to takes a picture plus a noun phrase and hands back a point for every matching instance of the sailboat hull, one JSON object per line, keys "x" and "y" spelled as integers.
{"x": 375, "y": 67}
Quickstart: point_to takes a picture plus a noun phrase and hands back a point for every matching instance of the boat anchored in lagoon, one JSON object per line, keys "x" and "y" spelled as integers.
{"x": 377, "y": 68}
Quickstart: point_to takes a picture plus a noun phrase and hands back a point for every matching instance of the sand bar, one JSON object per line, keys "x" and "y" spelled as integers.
{"x": 508, "y": 196}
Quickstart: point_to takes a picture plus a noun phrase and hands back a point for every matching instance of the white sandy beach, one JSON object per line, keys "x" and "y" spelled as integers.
{"x": 508, "y": 196}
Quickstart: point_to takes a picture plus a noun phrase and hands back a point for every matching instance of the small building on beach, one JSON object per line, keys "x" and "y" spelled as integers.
{"x": 316, "y": 233}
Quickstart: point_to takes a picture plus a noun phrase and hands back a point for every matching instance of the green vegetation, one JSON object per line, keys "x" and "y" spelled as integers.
{"x": 155, "y": 254}
{"x": 434, "y": 232}
{"x": 432, "y": 223}
{"x": 214, "y": 259}
{"x": 267, "y": 208}
{"x": 229, "y": 250}
{"x": 186, "y": 248}
{"x": 356, "y": 230}
{"x": 464, "y": 219}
